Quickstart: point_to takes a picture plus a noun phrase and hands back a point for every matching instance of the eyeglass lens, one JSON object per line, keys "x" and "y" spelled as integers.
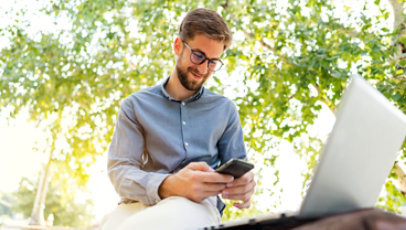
{"x": 198, "y": 58}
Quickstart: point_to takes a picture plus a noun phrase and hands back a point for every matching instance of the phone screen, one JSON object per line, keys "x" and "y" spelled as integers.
{"x": 235, "y": 167}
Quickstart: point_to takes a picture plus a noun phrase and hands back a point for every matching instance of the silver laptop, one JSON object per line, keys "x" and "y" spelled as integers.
{"x": 357, "y": 157}
{"x": 359, "y": 153}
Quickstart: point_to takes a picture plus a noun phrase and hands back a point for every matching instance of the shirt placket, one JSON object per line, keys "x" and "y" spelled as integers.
{"x": 184, "y": 123}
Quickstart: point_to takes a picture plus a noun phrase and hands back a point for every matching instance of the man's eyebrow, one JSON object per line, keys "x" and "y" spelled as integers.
{"x": 198, "y": 50}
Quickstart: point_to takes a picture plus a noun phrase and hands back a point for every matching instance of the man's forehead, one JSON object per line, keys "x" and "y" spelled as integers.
{"x": 209, "y": 47}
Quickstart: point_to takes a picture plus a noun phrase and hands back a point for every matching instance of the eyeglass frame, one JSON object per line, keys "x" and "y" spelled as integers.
{"x": 193, "y": 51}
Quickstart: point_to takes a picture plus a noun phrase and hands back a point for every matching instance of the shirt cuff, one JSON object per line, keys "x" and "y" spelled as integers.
{"x": 152, "y": 187}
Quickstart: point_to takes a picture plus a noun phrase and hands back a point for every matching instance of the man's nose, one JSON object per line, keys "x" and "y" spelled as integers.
{"x": 203, "y": 67}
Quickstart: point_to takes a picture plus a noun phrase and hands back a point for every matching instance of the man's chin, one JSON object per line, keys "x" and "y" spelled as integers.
{"x": 195, "y": 83}
{"x": 194, "y": 88}
{"x": 189, "y": 81}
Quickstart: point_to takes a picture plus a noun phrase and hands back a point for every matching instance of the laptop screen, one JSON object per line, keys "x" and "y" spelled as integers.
{"x": 359, "y": 153}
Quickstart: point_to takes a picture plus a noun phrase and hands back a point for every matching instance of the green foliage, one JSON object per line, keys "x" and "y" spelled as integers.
{"x": 394, "y": 198}
{"x": 232, "y": 213}
{"x": 62, "y": 204}
{"x": 291, "y": 57}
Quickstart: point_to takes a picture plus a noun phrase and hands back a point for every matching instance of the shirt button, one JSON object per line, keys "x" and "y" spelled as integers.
{"x": 186, "y": 144}
{"x": 183, "y": 103}
{"x": 183, "y": 122}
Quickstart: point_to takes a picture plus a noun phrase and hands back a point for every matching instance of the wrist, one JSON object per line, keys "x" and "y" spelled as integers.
{"x": 164, "y": 190}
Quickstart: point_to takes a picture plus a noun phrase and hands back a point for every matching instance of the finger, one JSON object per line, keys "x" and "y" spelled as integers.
{"x": 199, "y": 191}
{"x": 214, "y": 187}
{"x": 245, "y": 179}
{"x": 213, "y": 177}
{"x": 245, "y": 204}
{"x": 200, "y": 166}
{"x": 241, "y": 189}
{"x": 199, "y": 197}
{"x": 242, "y": 196}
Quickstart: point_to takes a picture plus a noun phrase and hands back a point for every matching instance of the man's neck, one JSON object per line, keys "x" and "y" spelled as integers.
{"x": 176, "y": 90}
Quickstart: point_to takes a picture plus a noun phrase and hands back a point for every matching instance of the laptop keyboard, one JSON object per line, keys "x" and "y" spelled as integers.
{"x": 274, "y": 222}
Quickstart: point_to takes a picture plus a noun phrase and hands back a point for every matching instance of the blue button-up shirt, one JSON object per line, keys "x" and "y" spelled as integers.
{"x": 157, "y": 135}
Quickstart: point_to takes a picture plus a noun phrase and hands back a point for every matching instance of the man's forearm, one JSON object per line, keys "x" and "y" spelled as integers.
{"x": 133, "y": 183}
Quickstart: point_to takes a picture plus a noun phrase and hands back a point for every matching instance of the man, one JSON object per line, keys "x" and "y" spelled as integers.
{"x": 169, "y": 138}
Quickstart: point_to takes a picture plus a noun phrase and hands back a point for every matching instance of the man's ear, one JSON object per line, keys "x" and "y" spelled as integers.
{"x": 177, "y": 46}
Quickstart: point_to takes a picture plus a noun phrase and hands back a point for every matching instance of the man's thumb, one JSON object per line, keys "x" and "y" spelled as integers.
{"x": 200, "y": 166}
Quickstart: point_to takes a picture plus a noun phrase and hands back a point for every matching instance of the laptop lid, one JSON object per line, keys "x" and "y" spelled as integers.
{"x": 359, "y": 153}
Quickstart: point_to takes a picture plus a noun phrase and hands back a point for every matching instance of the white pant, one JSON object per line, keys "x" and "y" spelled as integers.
{"x": 171, "y": 213}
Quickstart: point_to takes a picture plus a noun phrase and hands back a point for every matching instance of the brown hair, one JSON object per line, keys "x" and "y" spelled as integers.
{"x": 207, "y": 22}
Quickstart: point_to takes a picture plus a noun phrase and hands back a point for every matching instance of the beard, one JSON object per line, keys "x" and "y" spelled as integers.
{"x": 190, "y": 84}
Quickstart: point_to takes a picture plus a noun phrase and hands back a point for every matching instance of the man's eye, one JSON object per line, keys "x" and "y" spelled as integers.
{"x": 198, "y": 55}
{"x": 213, "y": 63}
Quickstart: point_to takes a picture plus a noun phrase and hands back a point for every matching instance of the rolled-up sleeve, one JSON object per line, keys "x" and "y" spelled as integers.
{"x": 125, "y": 160}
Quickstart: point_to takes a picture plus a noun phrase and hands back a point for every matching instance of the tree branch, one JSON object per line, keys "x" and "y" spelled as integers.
{"x": 225, "y": 5}
{"x": 5, "y": 203}
{"x": 401, "y": 178}
{"x": 397, "y": 8}
{"x": 324, "y": 99}
{"x": 266, "y": 45}
{"x": 398, "y": 23}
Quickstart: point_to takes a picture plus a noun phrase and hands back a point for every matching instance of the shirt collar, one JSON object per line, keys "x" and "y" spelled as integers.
{"x": 195, "y": 97}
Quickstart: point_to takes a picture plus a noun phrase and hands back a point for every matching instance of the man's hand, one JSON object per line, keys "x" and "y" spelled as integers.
{"x": 241, "y": 189}
{"x": 196, "y": 181}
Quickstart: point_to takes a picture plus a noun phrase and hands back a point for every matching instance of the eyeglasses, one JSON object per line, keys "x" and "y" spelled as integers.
{"x": 198, "y": 58}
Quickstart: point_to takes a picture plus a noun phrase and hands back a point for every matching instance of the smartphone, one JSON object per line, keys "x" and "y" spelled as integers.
{"x": 235, "y": 167}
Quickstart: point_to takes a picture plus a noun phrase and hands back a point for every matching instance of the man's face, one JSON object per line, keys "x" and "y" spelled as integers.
{"x": 192, "y": 76}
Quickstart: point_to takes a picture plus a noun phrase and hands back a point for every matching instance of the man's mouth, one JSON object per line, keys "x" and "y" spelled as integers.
{"x": 197, "y": 76}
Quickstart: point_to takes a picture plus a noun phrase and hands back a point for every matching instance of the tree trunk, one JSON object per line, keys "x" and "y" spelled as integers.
{"x": 399, "y": 23}
{"x": 37, "y": 215}
{"x": 5, "y": 203}
{"x": 401, "y": 177}
{"x": 397, "y": 8}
